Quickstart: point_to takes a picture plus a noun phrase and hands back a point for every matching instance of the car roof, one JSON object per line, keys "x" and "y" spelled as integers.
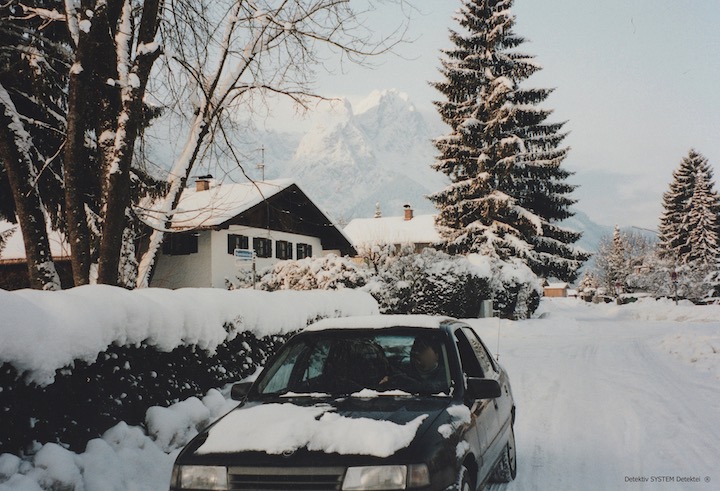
{"x": 381, "y": 322}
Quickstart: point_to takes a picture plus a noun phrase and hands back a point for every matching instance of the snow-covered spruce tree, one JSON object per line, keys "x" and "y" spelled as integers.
{"x": 701, "y": 221}
{"x": 618, "y": 264}
{"x": 508, "y": 191}
{"x": 679, "y": 205}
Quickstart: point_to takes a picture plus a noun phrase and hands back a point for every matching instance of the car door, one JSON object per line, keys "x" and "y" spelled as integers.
{"x": 484, "y": 411}
{"x": 503, "y": 404}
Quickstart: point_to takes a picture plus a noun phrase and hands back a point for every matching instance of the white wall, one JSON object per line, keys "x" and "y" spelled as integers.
{"x": 223, "y": 264}
{"x": 186, "y": 270}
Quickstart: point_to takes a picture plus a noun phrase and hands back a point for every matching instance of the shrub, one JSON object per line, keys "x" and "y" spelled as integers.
{"x": 88, "y": 398}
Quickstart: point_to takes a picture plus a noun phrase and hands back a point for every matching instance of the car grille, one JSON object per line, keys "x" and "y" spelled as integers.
{"x": 285, "y": 478}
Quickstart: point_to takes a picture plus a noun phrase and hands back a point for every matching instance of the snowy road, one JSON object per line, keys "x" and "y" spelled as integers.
{"x": 601, "y": 405}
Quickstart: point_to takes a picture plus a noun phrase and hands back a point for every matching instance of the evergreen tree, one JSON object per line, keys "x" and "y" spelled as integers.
{"x": 617, "y": 270}
{"x": 701, "y": 221}
{"x": 508, "y": 191}
{"x": 680, "y": 202}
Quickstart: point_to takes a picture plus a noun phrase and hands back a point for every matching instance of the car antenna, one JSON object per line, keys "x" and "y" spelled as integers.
{"x": 497, "y": 351}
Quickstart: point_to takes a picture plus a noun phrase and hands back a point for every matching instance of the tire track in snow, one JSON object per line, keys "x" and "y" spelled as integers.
{"x": 597, "y": 403}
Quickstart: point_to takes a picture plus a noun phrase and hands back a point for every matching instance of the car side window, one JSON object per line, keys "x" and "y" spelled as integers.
{"x": 283, "y": 369}
{"x": 484, "y": 358}
{"x": 470, "y": 364}
{"x": 316, "y": 361}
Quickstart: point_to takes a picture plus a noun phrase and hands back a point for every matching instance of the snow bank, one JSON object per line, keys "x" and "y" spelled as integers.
{"x": 700, "y": 351}
{"x": 41, "y": 332}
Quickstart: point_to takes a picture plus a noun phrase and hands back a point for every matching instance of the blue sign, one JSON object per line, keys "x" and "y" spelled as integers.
{"x": 244, "y": 255}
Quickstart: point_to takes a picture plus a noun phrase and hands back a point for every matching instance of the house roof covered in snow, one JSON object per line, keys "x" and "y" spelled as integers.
{"x": 393, "y": 230}
{"x": 14, "y": 249}
{"x": 222, "y": 202}
{"x": 277, "y": 205}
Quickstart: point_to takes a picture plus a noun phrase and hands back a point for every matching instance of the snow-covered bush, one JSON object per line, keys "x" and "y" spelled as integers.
{"x": 693, "y": 281}
{"x": 433, "y": 282}
{"x": 75, "y": 362}
{"x": 588, "y": 286}
{"x": 405, "y": 282}
{"x": 88, "y": 398}
{"x": 516, "y": 289}
{"x": 324, "y": 273}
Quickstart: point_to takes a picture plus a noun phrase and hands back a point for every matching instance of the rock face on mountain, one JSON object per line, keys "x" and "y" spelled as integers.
{"x": 378, "y": 151}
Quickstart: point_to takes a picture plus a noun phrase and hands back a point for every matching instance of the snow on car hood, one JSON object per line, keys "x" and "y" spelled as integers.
{"x": 278, "y": 428}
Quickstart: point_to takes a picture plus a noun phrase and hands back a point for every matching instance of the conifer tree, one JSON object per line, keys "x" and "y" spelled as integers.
{"x": 618, "y": 268}
{"x": 507, "y": 191}
{"x": 702, "y": 223}
{"x": 688, "y": 227}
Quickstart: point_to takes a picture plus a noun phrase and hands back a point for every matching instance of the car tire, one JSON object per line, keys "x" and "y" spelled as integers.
{"x": 506, "y": 468}
{"x": 464, "y": 481}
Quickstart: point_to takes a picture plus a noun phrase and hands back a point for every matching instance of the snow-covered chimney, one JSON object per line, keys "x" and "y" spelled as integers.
{"x": 408, "y": 212}
{"x": 202, "y": 183}
{"x": 378, "y": 212}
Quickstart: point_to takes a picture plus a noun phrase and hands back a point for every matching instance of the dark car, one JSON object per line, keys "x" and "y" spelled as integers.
{"x": 364, "y": 403}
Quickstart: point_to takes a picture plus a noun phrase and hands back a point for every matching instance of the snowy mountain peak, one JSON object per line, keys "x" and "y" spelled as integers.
{"x": 385, "y": 98}
{"x": 355, "y": 155}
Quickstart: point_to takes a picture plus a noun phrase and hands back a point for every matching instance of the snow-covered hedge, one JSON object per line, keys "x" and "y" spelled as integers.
{"x": 429, "y": 282}
{"x": 75, "y": 362}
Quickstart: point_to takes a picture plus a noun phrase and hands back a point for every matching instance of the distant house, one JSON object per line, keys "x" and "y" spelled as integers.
{"x": 555, "y": 289}
{"x": 13, "y": 264}
{"x": 407, "y": 229}
{"x": 273, "y": 219}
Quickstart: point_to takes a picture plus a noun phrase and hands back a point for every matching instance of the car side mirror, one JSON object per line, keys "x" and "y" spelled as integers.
{"x": 239, "y": 391}
{"x": 483, "y": 388}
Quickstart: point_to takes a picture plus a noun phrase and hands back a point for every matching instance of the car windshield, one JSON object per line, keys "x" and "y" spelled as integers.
{"x": 342, "y": 362}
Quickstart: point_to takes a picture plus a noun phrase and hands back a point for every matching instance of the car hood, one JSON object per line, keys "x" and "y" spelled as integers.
{"x": 289, "y": 428}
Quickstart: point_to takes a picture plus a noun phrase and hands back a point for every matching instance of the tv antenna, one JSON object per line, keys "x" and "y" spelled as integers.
{"x": 261, "y": 165}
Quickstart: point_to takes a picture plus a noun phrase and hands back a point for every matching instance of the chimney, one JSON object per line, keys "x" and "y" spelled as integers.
{"x": 202, "y": 183}
{"x": 408, "y": 212}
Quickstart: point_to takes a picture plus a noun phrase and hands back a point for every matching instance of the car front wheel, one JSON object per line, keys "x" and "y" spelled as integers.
{"x": 506, "y": 468}
{"x": 464, "y": 481}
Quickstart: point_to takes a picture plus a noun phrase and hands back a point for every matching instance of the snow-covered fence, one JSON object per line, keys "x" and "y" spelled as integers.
{"x": 75, "y": 362}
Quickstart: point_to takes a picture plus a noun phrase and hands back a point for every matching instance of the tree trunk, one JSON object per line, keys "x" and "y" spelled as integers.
{"x": 116, "y": 192}
{"x": 75, "y": 190}
{"x": 15, "y": 151}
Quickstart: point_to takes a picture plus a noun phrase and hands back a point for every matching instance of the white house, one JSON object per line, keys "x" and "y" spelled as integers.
{"x": 418, "y": 231}
{"x": 274, "y": 219}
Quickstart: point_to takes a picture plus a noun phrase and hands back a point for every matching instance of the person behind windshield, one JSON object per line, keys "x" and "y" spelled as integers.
{"x": 426, "y": 372}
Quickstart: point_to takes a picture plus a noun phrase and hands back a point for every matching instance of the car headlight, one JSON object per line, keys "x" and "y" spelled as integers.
{"x": 386, "y": 477}
{"x": 200, "y": 477}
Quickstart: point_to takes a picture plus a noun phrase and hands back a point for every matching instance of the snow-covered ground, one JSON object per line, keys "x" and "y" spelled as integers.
{"x": 609, "y": 397}
{"x": 614, "y": 397}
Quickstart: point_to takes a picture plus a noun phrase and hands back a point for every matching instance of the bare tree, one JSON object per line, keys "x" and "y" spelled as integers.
{"x": 236, "y": 51}
{"x": 221, "y": 56}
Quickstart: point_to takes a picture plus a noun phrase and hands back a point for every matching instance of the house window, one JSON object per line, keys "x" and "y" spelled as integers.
{"x": 262, "y": 247}
{"x": 283, "y": 249}
{"x": 237, "y": 242}
{"x": 303, "y": 251}
{"x": 178, "y": 244}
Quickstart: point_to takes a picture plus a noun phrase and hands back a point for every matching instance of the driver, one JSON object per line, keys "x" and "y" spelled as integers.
{"x": 426, "y": 370}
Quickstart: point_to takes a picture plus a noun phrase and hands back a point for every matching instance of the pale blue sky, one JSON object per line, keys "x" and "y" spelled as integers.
{"x": 638, "y": 82}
